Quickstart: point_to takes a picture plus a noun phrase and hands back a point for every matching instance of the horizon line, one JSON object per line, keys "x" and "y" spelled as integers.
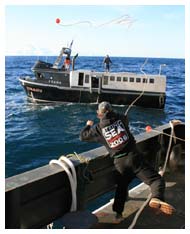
{"x": 114, "y": 56}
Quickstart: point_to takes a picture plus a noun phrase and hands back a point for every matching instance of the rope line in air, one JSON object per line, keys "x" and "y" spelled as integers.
{"x": 141, "y": 94}
{"x": 122, "y": 20}
{"x": 132, "y": 225}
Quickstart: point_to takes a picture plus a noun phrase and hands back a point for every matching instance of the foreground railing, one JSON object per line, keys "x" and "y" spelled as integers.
{"x": 36, "y": 198}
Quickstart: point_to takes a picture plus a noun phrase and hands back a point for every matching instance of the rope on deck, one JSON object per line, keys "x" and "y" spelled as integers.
{"x": 67, "y": 164}
{"x": 161, "y": 173}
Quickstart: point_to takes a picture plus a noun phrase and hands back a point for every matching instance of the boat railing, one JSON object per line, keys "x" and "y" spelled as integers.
{"x": 36, "y": 198}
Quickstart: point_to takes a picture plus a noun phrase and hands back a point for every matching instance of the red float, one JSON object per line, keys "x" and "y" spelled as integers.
{"x": 57, "y": 21}
{"x": 148, "y": 129}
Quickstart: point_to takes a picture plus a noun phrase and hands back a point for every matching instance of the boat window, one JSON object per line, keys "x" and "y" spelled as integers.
{"x": 151, "y": 81}
{"x": 105, "y": 80}
{"x": 125, "y": 79}
{"x": 112, "y": 78}
{"x": 118, "y": 78}
{"x": 144, "y": 80}
{"x": 86, "y": 78}
{"x": 138, "y": 80}
{"x": 95, "y": 82}
{"x": 39, "y": 75}
{"x": 131, "y": 79}
{"x": 81, "y": 78}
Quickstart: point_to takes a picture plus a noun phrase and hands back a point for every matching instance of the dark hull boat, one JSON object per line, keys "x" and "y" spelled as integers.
{"x": 54, "y": 84}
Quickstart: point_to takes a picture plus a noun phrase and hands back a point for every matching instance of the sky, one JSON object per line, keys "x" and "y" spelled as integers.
{"x": 155, "y": 30}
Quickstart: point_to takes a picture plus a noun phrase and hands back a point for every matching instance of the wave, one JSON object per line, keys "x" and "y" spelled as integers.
{"x": 36, "y": 132}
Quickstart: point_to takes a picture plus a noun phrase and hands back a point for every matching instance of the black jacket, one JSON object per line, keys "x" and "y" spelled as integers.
{"x": 113, "y": 132}
{"x": 107, "y": 60}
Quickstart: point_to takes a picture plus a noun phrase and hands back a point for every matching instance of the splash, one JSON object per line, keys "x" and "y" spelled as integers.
{"x": 44, "y": 108}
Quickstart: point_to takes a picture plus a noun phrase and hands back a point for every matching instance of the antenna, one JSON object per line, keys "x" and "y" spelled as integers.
{"x": 161, "y": 65}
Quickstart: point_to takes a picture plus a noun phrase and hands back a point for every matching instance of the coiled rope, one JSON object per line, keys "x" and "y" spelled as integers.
{"x": 67, "y": 164}
{"x": 161, "y": 173}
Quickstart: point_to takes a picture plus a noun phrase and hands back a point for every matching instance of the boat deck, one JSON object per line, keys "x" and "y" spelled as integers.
{"x": 149, "y": 219}
{"x": 27, "y": 194}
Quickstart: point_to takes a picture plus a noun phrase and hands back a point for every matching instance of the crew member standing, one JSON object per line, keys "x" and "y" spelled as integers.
{"x": 107, "y": 62}
{"x": 67, "y": 63}
{"x": 113, "y": 132}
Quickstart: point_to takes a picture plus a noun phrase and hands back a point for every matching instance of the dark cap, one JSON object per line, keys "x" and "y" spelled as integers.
{"x": 104, "y": 107}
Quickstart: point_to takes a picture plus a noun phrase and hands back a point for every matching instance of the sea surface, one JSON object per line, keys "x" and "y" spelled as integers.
{"x": 37, "y": 133}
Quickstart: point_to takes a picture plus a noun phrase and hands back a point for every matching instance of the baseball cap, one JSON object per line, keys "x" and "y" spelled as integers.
{"x": 104, "y": 107}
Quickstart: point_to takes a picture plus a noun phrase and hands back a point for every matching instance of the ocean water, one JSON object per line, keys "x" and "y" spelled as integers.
{"x": 37, "y": 133}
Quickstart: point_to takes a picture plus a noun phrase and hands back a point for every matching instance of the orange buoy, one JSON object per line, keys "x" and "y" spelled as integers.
{"x": 148, "y": 128}
{"x": 57, "y": 21}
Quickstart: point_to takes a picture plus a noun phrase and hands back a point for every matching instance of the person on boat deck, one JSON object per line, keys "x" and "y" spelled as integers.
{"x": 113, "y": 132}
{"x": 107, "y": 62}
{"x": 67, "y": 63}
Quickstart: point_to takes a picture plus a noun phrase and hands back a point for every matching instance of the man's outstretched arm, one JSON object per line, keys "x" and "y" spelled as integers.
{"x": 90, "y": 133}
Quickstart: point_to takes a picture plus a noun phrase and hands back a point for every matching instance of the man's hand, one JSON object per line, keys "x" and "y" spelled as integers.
{"x": 89, "y": 122}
